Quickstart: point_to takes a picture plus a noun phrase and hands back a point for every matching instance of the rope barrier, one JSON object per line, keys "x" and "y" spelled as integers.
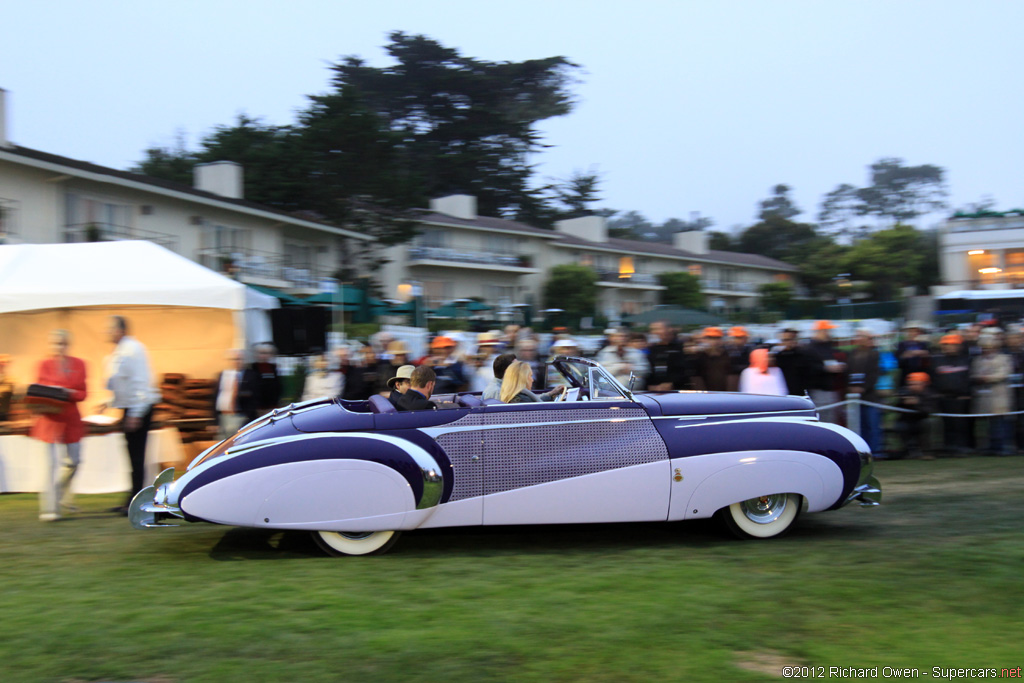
{"x": 857, "y": 401}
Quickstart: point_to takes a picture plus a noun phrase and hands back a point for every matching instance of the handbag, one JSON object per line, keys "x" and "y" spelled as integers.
{"x": 46, "y": 399}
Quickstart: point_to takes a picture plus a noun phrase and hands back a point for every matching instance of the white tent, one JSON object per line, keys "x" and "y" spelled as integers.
{"x": 185, "y": 314}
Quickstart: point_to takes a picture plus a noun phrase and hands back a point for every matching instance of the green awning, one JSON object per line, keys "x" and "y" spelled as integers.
{"x": 286, "y": 299}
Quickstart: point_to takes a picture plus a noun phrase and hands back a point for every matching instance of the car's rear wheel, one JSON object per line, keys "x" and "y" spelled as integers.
{"x": 341, "y": 543}
{"x": 764, "y": 516}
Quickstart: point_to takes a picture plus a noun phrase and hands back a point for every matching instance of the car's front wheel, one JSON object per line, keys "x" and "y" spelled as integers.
{"x": 764, "y": 516}
{"x": 341, "y": 543}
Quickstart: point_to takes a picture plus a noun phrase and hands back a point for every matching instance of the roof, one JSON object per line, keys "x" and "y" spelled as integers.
{"x": 613, "y": 244}
{"x": 123, "y": 273}
{"x": 486, "y": 223}
{"x": 99, "y": 173}
{"x": 659, "y": 249}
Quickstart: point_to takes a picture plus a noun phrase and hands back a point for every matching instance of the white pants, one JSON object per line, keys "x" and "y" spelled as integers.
{"x": 229, "y": 423}
{"x": 61, "y": 463}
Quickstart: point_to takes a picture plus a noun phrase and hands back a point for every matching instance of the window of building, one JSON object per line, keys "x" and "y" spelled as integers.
{"x": 299, "y": 255}
{"x": 437, "y": 292}
{"x": 499, "y": 294}
{"x": 984, "y": 266}
{"x": 500, "y": 244}
{"x": 1014, "y": 269}
{"x": 96, "y": 217}
{"x": 626, "y": 268}
{"x": 8, "y": 218}
{"x": 432, "y": 237}
{"x": 694, "y": 269}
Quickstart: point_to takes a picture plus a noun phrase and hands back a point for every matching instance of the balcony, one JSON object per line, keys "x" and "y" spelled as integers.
{"x": 748, "y": 288}
{"x": 463, "y": 258}
{"x": 261, "y": 267}
{"x": 107, "y": 232}
{"x": 612, "y": 278}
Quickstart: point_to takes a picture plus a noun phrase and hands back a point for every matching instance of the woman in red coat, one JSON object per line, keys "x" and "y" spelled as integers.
{"x": 64, "y": 427}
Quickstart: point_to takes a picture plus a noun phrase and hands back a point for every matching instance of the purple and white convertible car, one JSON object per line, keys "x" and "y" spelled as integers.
{"x": 357, "y": 473}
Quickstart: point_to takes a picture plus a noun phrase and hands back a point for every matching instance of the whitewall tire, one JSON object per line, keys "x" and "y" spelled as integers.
{"x": 764, "y": 516}
{"x": 341, "y": 543}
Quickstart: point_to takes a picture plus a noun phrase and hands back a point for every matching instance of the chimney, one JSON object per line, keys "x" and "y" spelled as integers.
{"x": 457, "y": 205}
{"x": 4, "y": 142}
{"x": 219, "y": 177}
{"x": 591, "y": 228}
{"x": 693, "y": 241}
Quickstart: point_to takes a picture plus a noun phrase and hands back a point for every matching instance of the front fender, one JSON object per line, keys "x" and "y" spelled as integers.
{"x": 711, "y": 482}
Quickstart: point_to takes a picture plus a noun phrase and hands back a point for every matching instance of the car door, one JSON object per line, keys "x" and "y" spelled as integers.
{"x": 585, "y": 461}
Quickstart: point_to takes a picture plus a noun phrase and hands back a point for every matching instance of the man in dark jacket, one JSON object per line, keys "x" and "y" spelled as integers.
{"x": 829, "y": 370}
{"x": 666, "y": 358}
{"x": 795, "y": 362}
{"x": 421, "y": 386}
{"x": 863, "y": 367}
{"x": 713, "y": 364}
{"x": 917, "y": 396}
{"x": 951, "y": 384}
{"x": 267, "y": 389}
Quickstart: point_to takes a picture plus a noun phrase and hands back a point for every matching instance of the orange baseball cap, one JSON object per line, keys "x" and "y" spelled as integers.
{"x": 738, "y": 331}
{"x": 952, "y": 339}
{"x": 919, "y": 377}
{"x": 442, "y": 342}
{"x": 824, "y": 325}
{"x": 712, "y": 331}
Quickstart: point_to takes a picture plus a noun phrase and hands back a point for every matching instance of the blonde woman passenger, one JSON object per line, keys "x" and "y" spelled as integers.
{"x": 515, "y": 387}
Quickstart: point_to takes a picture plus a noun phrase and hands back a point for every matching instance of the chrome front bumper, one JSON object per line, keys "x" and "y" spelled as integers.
{"x": 149, "y": 507}
{"x": 868, "y": 494}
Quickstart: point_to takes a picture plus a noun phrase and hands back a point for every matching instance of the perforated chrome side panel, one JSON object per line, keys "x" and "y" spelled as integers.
{"x": 467, "y": 475}
{"x": 527, "y": 456}
{"x": 588, "y": 441}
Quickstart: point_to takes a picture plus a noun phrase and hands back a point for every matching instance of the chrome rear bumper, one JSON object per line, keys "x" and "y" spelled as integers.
{"x": 868, "y": 495}
{"x": 149, "y": 508}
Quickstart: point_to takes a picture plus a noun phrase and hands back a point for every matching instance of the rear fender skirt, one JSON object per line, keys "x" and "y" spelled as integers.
{"x": 416, "y": 466}
{"x": 689, "y": 436}
{"x": 349, "y": 495}
{"x": 707, "y": 483}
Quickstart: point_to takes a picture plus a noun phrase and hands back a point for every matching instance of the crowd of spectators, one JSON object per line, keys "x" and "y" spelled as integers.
{"x": 974, "y": 373}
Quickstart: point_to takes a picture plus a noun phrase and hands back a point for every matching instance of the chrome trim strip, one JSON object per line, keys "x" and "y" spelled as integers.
{"x": 766, "y": 413}
{"x": 780, "y": 418}
{"x": 434, "y": 432}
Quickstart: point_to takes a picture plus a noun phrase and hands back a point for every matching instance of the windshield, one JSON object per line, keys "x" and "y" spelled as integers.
{"x": 591, "y": 377}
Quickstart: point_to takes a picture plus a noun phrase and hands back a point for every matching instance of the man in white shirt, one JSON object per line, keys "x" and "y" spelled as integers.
{"x": 234, "y": 402}
{"x": 130, "y": 381}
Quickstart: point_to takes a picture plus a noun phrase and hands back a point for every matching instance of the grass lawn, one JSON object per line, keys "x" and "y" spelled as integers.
{"x": 932, "y": 578}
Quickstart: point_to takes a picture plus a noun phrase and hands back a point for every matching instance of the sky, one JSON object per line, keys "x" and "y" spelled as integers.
{"x": 682, "y": 106}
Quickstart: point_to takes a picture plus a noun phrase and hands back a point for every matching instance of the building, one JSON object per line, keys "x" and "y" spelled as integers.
{"x": 982, "y": 251}
{"x": 45, "y": 198}
{"x": 459, "y": 254}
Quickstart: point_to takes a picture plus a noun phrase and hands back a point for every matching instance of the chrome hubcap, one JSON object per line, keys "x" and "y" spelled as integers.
{"x": 765, "y": 509}
{"x": 355, "y": 535}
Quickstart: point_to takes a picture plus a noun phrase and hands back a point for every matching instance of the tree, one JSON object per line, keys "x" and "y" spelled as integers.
{"x": 721, "y": 241}
{"x": 840, "y": 210}
{"x": 888, "y": 259}
{"x": 681, "y": 289}
{"x": 383, "y": 140}
{"x": 776, "y": 296}
{"x": 632, "y": 226}
{"x": 572, "y": 288}
{"x": 577, "y": 193}
{"x": 776, "y": 237}
{"x": 901, "y": 193}
{"x": 174, "y": 163}
{"x": 465, "y": 125}
{"x": 779, "y": 204}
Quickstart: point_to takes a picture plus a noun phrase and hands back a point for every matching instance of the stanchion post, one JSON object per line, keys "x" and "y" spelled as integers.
{"x": 853, "y": 412}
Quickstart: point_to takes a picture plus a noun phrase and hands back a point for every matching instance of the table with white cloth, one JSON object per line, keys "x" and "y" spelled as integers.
{"x": 105, "y": 467}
